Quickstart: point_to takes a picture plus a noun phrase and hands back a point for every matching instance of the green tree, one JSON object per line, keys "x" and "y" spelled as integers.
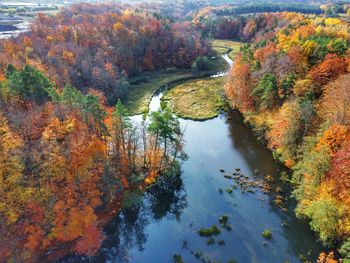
{"x": 247, "y": 53}
{"x": 324, "y": 215}
{"x": 338, "y": 46}
{"x": 29, "y": 83}
{"x": 92, "y": 109}
{"x": 71, "y": 96}
{"x": 121, "y": 125}
{"x": 166, "y": 129}
{"x": 10, "y": 70}
{"x": 201, "y": 64}
{"x": 345, "y": 249}
{"x": 287, "y": 84}
{"x": 266, "y": 92}
{"x": 89, "y": 105}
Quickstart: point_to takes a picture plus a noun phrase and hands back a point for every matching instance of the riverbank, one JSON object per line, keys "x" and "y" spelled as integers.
{"x": 224, "y": 179}
{"x": 231, "y": 48}
{"x": 205, "y": 98}
{"x": 144, "y": 85}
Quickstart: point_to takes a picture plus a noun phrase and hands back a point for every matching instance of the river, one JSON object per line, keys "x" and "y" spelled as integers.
{"x": 166, "y": 219}
{"x": 13, "y": 31}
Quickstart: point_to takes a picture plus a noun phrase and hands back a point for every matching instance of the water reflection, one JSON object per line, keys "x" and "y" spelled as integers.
{"x": 165, "y": 199}
{"x": 293, "y": 229}
{"x": 172, "y": 211}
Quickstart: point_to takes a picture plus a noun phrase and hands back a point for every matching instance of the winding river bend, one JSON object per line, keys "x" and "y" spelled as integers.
{"x": 165, "y": 221}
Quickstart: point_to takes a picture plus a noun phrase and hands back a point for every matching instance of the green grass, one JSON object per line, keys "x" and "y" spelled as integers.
{"x": 197, "y": 99}
{"x": 224, "y": 46}
{"x": 145, "y": 84}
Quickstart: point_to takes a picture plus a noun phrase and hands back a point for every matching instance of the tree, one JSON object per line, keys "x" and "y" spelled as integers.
{"x": 239, "y": 85}
{"x": 326, "y": 226}
{"x": 329, "y": 70}
{"x": 338, "y": 46}
{"x": 345, "y": 248}
{"x": 287, "y": 84}
{"x": 335, "y": 102}
{"x": 201, "y": 64}
{"x": 304, "y": 88}
{"x": 165, "y": 127}
{"x": 124, "y": 140}
{"x": 89, "y": 105}
{"x": 324, "y": 258}
{"x": 307, "y": 112}
{"x": 11, "y": 172}
{"x": 340, "y": 173}
{"x": 266, "y": 92}
{"x": 93, "y": 112}
{"x": 285, "y": 131}
{"x": 29, "y": 84}
{"x": 333, "y": 138}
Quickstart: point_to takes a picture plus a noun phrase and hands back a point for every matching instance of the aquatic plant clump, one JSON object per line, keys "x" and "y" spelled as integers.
{"x": 208, "y": 232}
{"x": 177, "y": 258}
{"x": 223, "y": 220}
{"x": 210, "y": 241}
{"x": 267, "y": 234}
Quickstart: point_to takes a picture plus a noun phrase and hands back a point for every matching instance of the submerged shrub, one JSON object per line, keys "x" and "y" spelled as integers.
{"x": 207, "y": 232}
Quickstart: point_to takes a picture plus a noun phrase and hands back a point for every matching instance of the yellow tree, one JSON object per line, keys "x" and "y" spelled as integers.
{"x": 11, "y": 168}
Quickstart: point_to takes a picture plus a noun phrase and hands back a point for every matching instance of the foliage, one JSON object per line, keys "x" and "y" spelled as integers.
{"x": 177, "y": 259}
{"x": 238, "y": 87}
{"x": 28, "y": 83}
{"x": 211, "y": 231}
{"x": 63, "y": 165}
{"x": 328, "y": 70}
{"x": 296, "y": 70}
{"x": 267, "y": 234}
{"x": 266, "y": 92}
{"x": 286, "y": 130}
{"x": 327, "y": 258}
{"x": 345, "y": 249}
{"x": 335, "y": 102}
{"x": 103, "y": 46}
{"x": 201, "y": 64}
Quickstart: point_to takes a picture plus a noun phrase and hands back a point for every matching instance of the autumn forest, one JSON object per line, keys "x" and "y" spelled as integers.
{"x": 125, "y": 126}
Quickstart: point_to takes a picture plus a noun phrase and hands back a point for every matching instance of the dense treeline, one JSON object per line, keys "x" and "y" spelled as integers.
{"x": 232, "y": 22}
{"x": 67, "y": 159}
{"x": 100, "y": 46}
{"x": 65, "y": 164}
{"x": 292, "y": 85}
{"x": 235, "y": 28}
{"x": 269, "y": 7}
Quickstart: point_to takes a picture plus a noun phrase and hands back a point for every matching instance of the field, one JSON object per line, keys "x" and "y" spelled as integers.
{"x": 199, "y": 99}
{"x": 144, "y": 85}
{"x": 224, "y": 46}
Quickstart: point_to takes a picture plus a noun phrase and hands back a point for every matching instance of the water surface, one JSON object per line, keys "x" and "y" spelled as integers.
{"x": 166, "y": 219}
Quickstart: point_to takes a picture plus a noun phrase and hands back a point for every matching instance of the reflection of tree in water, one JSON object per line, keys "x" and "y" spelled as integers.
{"x": 166, "y": 198}
{"x": 256, "y": 156}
